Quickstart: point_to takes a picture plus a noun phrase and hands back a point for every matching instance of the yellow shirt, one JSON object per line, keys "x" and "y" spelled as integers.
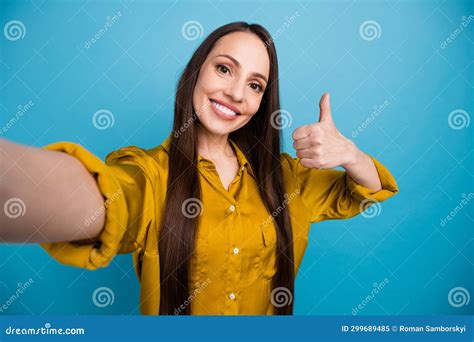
{"x": 231, "y": 271}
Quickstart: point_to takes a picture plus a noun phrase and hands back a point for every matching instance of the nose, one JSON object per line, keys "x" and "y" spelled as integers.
{"x": 236, "y": 90}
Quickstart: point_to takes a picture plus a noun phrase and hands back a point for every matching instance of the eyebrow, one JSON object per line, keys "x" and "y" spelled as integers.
{"x": 236, "y": 62}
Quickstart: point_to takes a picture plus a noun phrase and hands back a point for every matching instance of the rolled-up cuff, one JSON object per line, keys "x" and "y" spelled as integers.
{"x": 389, "y": 186}
{"x": 92, "y": 255}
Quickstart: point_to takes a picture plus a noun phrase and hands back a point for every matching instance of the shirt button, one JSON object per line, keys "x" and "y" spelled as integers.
{"x": 243, "y": 168}
{"x": 232, "y": 296}
{"x": 232, "y": 208}
{"x": 236, "y": 250}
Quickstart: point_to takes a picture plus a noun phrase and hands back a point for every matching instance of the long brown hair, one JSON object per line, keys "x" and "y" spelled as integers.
{"x": 259, "y": 140}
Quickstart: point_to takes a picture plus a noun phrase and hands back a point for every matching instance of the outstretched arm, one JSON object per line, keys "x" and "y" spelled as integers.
{"x": 46, "y": 196}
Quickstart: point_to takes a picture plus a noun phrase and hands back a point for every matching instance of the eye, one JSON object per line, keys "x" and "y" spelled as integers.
{"x": 257, "y": 87}
{"x": 223, "y": 69}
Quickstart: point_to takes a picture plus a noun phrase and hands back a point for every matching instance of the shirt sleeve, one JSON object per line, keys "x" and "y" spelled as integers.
{"x": 125, "y": 182}
{"x": 333, "y": 194}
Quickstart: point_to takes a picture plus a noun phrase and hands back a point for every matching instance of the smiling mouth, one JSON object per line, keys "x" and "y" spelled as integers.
{"x": 223, "y": 109}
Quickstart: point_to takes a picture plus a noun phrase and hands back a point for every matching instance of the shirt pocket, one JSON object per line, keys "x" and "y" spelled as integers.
{"x": 268, "y": 251}
{"x": 199, "y": 263}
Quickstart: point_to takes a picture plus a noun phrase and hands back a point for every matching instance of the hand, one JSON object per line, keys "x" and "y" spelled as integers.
{"x": 320, "y": 145}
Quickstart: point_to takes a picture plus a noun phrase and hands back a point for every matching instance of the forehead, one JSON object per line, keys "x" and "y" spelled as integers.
{"x": 245, "y": 47}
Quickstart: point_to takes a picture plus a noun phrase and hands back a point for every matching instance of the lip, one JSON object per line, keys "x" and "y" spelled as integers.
{"x": 227, "y": 105}
{"x": 223, "y": 116}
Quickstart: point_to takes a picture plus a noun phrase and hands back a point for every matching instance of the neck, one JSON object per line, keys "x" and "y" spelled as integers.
{"x": 214, "y": 147}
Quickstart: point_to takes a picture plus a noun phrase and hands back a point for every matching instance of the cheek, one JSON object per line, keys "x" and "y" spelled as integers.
{"x": 202, "y": 84}
{"x": 196, "y": 96}
{"x": 254, "y": 103}
{"x": 200, "y": 95}
{"x": 208, "y": 81}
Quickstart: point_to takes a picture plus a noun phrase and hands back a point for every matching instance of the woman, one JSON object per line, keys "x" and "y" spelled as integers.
{"x": 216, "y": 216}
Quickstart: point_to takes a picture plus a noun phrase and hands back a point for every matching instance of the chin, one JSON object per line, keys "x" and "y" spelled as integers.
{"x": 216, "y": 126}
{"x": 217, "y": 129}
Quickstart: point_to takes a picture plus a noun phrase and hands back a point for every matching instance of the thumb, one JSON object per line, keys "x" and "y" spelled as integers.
{"x": 324, "y": 108}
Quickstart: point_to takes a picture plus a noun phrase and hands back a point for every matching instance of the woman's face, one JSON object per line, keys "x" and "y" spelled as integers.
{"x": 231, "y": 83}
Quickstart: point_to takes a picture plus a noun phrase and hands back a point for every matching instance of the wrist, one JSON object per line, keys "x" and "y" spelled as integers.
{"x": 354, "y": 155}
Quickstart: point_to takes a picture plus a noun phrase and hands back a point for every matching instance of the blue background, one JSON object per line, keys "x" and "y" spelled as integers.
{"x": 132, "y": 71}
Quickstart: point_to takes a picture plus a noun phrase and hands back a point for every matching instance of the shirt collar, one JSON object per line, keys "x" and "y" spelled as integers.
{"x": 243, "y": 162}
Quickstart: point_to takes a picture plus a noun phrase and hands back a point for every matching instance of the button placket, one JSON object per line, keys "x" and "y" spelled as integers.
{"x": 234, "y": 263}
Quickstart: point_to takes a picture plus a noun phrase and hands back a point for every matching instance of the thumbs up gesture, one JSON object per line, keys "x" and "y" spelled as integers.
{"x": 320, "y": 145}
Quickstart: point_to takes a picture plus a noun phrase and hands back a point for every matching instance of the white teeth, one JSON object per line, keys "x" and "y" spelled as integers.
{"x": 223, "y": 109}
